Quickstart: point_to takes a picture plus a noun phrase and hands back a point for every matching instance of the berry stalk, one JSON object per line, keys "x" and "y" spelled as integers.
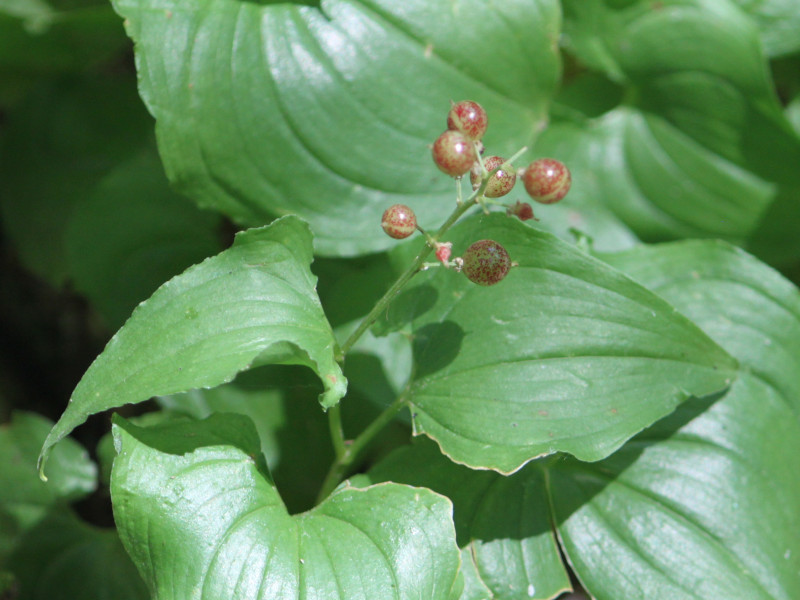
{"x": 417, "y": 265}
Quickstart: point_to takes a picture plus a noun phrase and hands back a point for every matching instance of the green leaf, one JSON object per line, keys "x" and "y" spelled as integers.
{"x": 328, "y": 111}
{"x": 131, "y": 234}
{"x": 634, "y": 172}
{"x": 255, "y": 302}
{"x": 201, "y": 520}
{"x": 25, "y": 499}
{"x": 779, "y": 23}
{"x": 281, "y": 402}
{"x": 502, "y": 523}
{"x": 63, "y": 558}
{"x": 703, "y": 505}
{"x": 565, "y": 354}
{"x": 699, "y": 145}
{"x": 42, "y": 41}
{"x": 56, "y": 148}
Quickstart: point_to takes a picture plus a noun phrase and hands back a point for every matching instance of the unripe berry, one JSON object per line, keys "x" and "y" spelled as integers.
{"x": 522, "y": 210}
{"x": 469, "y": 118}
{"x": 500, "y": 184}
{"x": 399, "y": 221}
{"x": 547, "y": 180}
{"x": 486, "y": 262}
{"x": 453, "y": 153}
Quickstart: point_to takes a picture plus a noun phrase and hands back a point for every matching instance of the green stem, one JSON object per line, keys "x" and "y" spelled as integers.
{"x": 353, "y": 450}
{"x": 346, "y": 453}
{"x": 416, "y": 265}
{"x": 337, "y": 430}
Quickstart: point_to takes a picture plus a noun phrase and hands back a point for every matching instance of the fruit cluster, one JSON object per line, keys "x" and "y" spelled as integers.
{"x": 458, "y": 151}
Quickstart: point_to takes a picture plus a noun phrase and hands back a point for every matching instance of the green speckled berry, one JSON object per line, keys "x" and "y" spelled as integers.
{"x": 486, "y": 262}
{"x": 399, "y": 221}
{"x": 547, "y": 180}
{"x": 469, "y": 118}
{"x": 454, "y": 153}
{"x": 500, "y": 184}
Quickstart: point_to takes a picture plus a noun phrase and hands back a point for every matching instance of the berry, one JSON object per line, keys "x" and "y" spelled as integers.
{"x": 453, "y": 153}
{"x": 547, "y": 180}
{"x": 399, "y": 221}
{"x": 469, "y": 118}
{"x": 500, "y": 183}
{"x": 486, "y": 262}
{"x": 521, "y": 210}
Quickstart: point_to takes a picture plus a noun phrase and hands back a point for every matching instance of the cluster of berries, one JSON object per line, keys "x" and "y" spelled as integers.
{"x": 459, "y": 151}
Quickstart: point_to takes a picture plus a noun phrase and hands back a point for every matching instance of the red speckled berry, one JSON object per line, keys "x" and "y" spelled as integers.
{"x": 486, "y": 262}
{"x": 399, "y": 221}
{"x": 453, "y": 153}
{"x": 469, "y": 118}
{"x": 547, "y": 180}
{"x": 500, "y": 184}
{"x": 522, "y": 210}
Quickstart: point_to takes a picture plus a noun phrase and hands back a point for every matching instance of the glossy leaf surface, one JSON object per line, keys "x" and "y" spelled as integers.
{"x": 565, "y": 354}
{"x": 702, "y": 504}
{"x": 264, "y": 109}
{"x": 253, "y": 302}
{"x": 198, "y": 495}
{"x": 509, "y": 550}
{"x": 705, "y": 503}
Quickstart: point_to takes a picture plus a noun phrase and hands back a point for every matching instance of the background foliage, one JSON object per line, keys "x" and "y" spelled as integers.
{"x": 662, "y": 348}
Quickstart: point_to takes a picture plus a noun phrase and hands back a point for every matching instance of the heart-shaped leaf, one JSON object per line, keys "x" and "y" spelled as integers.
{"x": 201, "y": 520}
{"x": 565, "y": 354}
{"x": 328, "y": 111}
{"x": 253, "y": 302}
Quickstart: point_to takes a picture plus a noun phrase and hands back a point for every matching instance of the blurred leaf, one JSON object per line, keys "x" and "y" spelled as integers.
{"x": 25, "y": 499}
{"x": 779, "y": 24}
{"x": 55, "y": 150}
{"x": 698, "y": 147}
{"x": 254, "y": 302}
{"x": 327, "y": 111}
{"x": 565, "y": 354}
{"x": 131, "y": 234}
{"x": 42, "y": 41}
{"x": 195, "y": 494}
{"x": 63, "y": 558}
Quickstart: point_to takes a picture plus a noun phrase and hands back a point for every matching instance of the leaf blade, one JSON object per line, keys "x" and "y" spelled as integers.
{"x": 253, "y": 302}
{"x": 565, "y": 354}
{"x": 215, "y": 514}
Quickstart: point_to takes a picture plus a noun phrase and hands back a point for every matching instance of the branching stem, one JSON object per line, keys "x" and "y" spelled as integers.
{"x": 348, "y": 453}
